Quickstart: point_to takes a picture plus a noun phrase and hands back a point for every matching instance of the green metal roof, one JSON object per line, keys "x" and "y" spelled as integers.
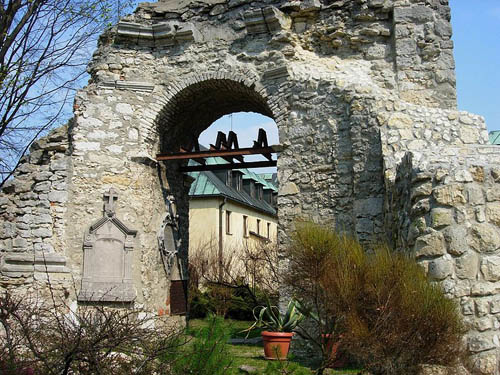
{"x": 207, "y": 184}
{"x": 495, "y": 137}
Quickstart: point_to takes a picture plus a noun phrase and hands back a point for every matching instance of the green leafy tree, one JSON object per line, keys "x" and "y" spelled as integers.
{"x": 45, "y": 46}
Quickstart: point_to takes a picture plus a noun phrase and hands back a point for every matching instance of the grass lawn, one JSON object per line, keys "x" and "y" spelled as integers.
{"x": 236, "y": 327}
{"x": 253, "y": 355}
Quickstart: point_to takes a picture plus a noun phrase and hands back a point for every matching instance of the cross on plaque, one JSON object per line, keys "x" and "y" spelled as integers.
{"x": 109, "y": 199}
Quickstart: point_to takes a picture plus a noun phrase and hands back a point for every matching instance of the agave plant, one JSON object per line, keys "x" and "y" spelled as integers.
{"x": 271, "y": 319}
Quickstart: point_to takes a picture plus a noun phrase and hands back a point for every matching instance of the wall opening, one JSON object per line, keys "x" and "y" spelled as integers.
{"x": 195, "y": 114}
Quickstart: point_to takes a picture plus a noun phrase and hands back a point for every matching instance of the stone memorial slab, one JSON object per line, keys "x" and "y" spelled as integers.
{"x": 107, "y": 259}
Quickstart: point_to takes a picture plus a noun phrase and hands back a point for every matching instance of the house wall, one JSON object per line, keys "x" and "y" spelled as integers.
{"x": 204, "y": 225}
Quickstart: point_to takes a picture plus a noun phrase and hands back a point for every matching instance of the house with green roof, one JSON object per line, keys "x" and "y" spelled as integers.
{"x": 495, "y": 137}
{"x": 231, "y": 210}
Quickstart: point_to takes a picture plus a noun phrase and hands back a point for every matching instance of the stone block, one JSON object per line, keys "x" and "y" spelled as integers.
{"x": 422, "y": 190}
{"x": 475, "y": 194}
{"x": 418, "y": 14}
{"x": 400, "y": 120}
{"x": 406, "y": 46}
{"x": 442, "y": 28}
{"x": 485, "y": 289}
{"x": 493, "y": 213}
{"x": 42, "y": 232}
{"x": 441, "y": 217}
{"x": 490, "y": 268}
{"x": 483, "y": 324}
{"x": 289, "y": 188}
{"x": 468, "y": 307}
{"x": 495, "y": 173}
{"x": 58, "y": 196}
{"x": 477, "y": 173}
{"x": 431, "y": 244}
{"x": 7, "y": 230}
{"x": 467, "y": 266}
{"x": 480, "y": 342}
{"x": 484, "y": 238}
{"x": 368, "y": 207}
{"x": 441, "y": 268}
{"x": 493, "y": 194}
{"x": 19, "y": 242}
{"x": 59, "y": 165}
{"x": 485, "y": 363}
{"x": 449, "y": 195}
{"x": 42, "y": 176}
{"x": 420, "y": 208}
{"x": 364, "y": 226}
{"x": 482, "y": 306}
{"x": 495, "y": 306}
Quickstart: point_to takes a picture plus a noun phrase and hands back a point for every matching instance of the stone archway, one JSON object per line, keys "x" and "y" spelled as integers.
{"x": 191, "y": 108}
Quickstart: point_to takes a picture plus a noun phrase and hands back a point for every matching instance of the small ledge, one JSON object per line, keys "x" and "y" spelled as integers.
{"x": 276, "y": 73}
{"x": 161, "y": 34}
{"x": 258, "y": 236}
{"x": 25, "y": 264}
{"x": 267, "y": 20}
{"x": 127, "y": 85}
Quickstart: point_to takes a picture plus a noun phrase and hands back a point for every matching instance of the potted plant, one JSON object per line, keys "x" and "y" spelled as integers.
{"x": 329, "y": 341}
{"x": 278, "y": 328}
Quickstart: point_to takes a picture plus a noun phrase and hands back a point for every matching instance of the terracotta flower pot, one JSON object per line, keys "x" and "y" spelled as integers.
{"x": 335, "y": 357}
{"x": 276, "y": 344}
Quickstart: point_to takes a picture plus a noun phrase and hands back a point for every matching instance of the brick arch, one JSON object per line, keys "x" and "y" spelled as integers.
{"x": 192, "y": 105}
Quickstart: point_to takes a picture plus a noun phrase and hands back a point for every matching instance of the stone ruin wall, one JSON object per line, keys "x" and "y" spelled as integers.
{"x": 446, "y": 204}
{"x": 354, "y": 88}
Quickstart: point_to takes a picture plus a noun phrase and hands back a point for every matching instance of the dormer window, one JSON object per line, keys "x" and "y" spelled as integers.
{"x": 237, "y": 180}
{"x": 259, "y": 191}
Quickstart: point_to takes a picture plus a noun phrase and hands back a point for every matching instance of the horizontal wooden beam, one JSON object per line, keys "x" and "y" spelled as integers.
{"x": 219, "y": 153}
{"x": 218, "y": 167}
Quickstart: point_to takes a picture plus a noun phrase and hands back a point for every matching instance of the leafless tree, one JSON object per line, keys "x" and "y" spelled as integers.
{"x": 44, "y": 48}
{"x": 251, "y": 268}
{"x": 47, "y": 337}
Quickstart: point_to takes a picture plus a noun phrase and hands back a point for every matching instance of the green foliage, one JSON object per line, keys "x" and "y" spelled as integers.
{"x": 232, "y": 303}
{"x": 270, "y": 318}
{"x": 384, "y": 310}
{"x": 285, "y": 368}
{"x": 208, "y": 354}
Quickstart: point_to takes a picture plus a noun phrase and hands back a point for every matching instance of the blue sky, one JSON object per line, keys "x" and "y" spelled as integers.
{"x": 476, "y": 33}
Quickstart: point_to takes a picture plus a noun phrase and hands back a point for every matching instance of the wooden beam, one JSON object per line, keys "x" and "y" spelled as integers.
{"x": 218, "y": 167}
{"x": 218, "y": 153}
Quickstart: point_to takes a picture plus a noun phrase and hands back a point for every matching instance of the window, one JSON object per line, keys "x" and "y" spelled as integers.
{"x": 268, "y": 230}
{"x": 236, "y": 180}
{"x": 228, "y": 222}
{"x": 258, "y": 226}
{"x": 229, "y": 179}
{"x": 245, "y": 226}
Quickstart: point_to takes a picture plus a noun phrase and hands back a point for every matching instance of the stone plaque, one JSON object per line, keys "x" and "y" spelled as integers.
{"x": 107, "y": 258}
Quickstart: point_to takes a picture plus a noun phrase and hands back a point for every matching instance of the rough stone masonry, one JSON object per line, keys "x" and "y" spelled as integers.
{"x": 363, "y": 94}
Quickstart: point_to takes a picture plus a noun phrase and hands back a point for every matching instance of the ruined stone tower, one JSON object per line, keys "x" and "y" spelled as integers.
{"x": 363, "y": 94}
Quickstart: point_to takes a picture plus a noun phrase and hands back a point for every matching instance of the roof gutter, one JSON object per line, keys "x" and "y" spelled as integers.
{"x": 221, "y": 243}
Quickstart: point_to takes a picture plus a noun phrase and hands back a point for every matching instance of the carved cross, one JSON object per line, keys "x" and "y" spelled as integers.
{"x": 109, "y": 201}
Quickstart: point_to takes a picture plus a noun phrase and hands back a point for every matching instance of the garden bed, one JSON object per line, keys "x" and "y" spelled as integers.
{"x": 252, "y": 355}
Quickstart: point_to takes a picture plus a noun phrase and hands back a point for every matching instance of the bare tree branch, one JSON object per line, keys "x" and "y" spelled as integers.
{"x": 44, "y": 48}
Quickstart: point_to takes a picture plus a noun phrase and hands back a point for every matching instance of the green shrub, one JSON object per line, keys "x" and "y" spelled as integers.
{"x": 285, "y": 368}
{"x": 401, "y": 320}
{"x": 378, "y": 304}
{"x": 208, "y": 353}
{"x": 225, "y": 301}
